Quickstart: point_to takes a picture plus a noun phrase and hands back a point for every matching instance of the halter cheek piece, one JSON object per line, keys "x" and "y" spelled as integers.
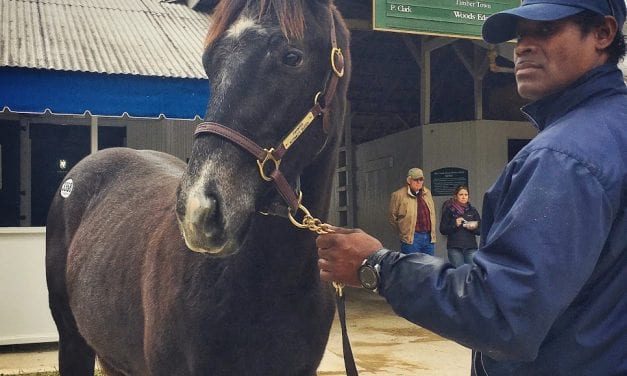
{"x": 270, "y": 171}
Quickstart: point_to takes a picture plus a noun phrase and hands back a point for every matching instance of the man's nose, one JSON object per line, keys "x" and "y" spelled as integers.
{"x": 523, "y": 46}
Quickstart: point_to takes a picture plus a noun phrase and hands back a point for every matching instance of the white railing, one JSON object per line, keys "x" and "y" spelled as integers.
{"x": 24, "y": 313}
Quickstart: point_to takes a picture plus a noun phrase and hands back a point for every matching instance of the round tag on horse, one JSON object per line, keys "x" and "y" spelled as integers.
{"x": 66, "y": 188}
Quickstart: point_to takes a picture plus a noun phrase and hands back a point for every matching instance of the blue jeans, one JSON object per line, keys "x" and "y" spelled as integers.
{"x": 422, "y": 243}
{"x": 459, "y": 257}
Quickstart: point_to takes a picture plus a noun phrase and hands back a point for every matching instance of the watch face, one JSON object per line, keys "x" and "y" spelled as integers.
{"x": 369, "y": 277}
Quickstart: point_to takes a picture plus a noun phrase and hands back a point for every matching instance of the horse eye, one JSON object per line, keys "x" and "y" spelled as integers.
{"x": 292, "y": 58}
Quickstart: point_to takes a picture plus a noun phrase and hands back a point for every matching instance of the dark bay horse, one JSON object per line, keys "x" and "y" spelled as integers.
{"x": 163, "y": 268}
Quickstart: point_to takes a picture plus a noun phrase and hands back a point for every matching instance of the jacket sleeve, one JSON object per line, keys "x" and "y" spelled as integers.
{"x": 534, "y": 260}
{"x": 393, "y": 212}
{"x": 447, "y": 221}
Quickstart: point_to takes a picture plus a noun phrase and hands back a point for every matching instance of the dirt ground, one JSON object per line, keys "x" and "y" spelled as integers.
{"x": 383, "y": 344}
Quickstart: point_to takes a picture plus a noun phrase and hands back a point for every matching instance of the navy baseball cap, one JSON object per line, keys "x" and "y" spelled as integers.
{"x": 501, "y": 27}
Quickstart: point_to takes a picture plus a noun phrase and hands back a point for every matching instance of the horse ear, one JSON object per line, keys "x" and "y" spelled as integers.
{"x": 202, "y": 5}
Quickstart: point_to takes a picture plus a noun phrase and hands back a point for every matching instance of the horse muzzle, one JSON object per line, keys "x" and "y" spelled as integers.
{"x": 201, "y": 225}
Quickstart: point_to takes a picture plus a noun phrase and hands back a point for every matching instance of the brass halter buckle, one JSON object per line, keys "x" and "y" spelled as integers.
{"x": 269, "y": 157}
{"x": 336, "y": 52}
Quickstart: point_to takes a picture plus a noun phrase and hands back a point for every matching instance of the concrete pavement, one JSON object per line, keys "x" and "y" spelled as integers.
{"x": 385, "y": 344}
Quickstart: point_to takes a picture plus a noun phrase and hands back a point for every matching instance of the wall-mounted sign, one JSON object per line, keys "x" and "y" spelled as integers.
{"x": 455, "y": 18}
{"x": 445, "y": 180}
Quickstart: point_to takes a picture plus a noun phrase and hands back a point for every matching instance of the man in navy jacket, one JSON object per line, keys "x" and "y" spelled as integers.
{"x": 547, "y": 295}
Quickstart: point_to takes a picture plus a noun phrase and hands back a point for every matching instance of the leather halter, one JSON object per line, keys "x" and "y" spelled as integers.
{"x": 276, "y": 153}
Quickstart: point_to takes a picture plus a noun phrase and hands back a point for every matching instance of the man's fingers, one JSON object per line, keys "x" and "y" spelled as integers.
{"x": 325, "y": 241}
{"x": 330, "y": 240}
{"x": 342, "y": 230}
{"x": 326, "y": 276}
{"x": 323, "y": 252}
{"x": 325, "y": 273}
{"x": 323, "y": 264}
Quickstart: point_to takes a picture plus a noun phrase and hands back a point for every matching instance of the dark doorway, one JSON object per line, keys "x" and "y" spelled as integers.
{"x": 55, "y": 149}
{"x": 9, "y": 173}
{"x": 514, "y": 145}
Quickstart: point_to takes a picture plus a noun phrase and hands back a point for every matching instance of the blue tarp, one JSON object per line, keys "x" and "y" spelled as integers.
{"x": 35, "y": 90}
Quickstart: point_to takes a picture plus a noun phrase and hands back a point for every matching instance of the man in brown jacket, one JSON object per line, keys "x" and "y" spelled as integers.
{"x": 412, "y": 214}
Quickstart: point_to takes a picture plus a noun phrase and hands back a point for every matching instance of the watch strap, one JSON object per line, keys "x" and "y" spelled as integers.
{"x": 377, "y": 257}
{"x": 373, "y": 262}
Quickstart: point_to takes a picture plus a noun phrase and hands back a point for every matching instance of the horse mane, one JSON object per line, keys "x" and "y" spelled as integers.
{"x": 290, "y": 14}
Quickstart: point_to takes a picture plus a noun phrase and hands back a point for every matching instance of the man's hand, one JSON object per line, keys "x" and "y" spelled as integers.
{"x": 342, "y": 251}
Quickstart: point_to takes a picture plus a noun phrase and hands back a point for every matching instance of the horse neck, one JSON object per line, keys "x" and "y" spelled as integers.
{"x": 284, "y": 254}
{"x": 317, "y": 179}
{"x": 279, "y": 258}
{"x": 290, "y": 252}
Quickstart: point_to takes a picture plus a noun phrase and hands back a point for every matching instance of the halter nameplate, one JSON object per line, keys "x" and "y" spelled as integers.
{"x": 298, "y": 130}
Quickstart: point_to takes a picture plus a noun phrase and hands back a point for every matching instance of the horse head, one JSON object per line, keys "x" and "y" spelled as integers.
{"x": 270, "y": 64}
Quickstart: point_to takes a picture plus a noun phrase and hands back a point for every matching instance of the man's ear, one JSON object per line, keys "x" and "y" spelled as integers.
{"x": 605, "y": 33}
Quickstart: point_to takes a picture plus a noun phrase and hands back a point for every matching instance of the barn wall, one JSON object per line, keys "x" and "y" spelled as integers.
{"x": 169, "y": 136}
{"x": 477, "y": 146}
{"x": 380, "y": 166}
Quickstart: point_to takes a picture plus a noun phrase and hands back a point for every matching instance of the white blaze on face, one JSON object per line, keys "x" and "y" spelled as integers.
{"x": 233, "y": 34}
{"x": 241, "y": 25}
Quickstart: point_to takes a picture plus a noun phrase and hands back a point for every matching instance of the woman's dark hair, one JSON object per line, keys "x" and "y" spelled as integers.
{"x": 459, "y": 188}
{"x": 588, "y": 20}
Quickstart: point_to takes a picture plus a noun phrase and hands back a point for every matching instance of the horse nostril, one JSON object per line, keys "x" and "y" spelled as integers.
{"x": 212, "y": 207}
{"x": 202, "y": 226}
{"x": 202, "y": 208}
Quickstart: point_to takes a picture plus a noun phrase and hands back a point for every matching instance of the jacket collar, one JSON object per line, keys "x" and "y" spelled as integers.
{"x": 409, "y": 192}
{"x": 423, "y": 191}
{"x": 600, "y": 81}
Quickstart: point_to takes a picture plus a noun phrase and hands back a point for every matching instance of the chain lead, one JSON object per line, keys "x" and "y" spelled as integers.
{"x": 315, "y": 225}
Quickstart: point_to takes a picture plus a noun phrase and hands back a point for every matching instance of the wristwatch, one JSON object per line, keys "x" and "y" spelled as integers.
{"x": 369, "y": 275}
